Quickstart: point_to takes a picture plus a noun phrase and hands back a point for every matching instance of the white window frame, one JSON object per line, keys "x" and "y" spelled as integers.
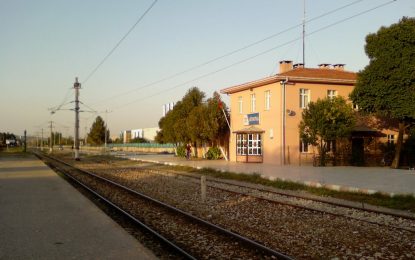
{"x": 249, "y": 144}
{"x": 267, "y": 99}
{"x": 304, "y": 97}
{"x": 304, "y": 147}
{"x": 253, "y": 103}
{"x": 391, "y": 139}
{"x": 240, "y": 105}
{"x": 331, "y": 93}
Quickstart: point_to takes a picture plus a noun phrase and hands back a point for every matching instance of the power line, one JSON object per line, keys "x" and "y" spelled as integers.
{"x": 259, "y": 54}
{"x": 119, "y": 42}
{"x": 232, "y": 52}
{"x": 58, "y": 107}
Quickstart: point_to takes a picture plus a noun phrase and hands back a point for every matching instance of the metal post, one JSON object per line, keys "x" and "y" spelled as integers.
{"x": 51, "y": 137}
{"x": 41, "y": 142}
{"x": 24, "y": 142}
{"x": 283, "y": 83}
{"x": 86, "y": 135}
{"x": 106, "y": 125}
{"x": 203, "y": 187}
{"x": 76, "y": 86}
{"x": 304, "y": 35}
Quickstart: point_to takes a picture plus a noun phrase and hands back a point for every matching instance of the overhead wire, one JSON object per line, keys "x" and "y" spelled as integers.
{"x": 58, "y": 107}
{"x": 259, "y": 54}
{"x": 119, "y": 42}
{"x": 230, "y": 53}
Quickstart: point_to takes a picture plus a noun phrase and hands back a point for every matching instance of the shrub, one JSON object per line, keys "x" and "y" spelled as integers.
{"x": 213, "y": 153}
{"x": 181, "y": 151}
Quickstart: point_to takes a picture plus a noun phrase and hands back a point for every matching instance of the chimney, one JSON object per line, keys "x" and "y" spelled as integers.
{"x": 298, "y": 66}
{"x": 339, "y": 66}
{"x": 286, "y": 65}
{"x": 324, "y": 66}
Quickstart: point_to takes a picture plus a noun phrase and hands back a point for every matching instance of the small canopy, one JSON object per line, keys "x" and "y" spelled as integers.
{"x": 364, "y": 131}
{"x": 249, "y": 130}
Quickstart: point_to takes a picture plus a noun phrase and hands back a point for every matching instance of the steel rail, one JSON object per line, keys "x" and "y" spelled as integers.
{"x": 300, "y": 206}
{"x": 131, "y": 217}
{"x": 247, "y": 241}
{"x": 295, "y": 196}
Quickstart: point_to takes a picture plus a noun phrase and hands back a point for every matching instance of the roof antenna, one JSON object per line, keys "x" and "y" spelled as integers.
{"x": 304, "y": 34}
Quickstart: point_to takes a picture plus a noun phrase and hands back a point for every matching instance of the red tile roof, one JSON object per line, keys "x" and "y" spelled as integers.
{"x": 320, "y": 73}
{"x": 323, "y": 76}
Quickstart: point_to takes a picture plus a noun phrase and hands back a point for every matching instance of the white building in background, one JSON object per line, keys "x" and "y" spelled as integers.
{"x": 136, "y": 133}
{"x": 167, "y": 108}
{"x": 146, "y": 133}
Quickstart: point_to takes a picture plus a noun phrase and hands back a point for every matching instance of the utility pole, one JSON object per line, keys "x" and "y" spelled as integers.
{"x": 304, "y": 34}
{"x": 86, "y": 135}
{"x": 51, "y": 137}
{"x": 41, "y": 142}
{"x": 76, "y": 86}
{"x": 106, "y": 127}
{"x": 24, "y": 142}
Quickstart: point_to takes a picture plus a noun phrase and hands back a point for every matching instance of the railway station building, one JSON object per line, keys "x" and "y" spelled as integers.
{"x": 266, "y": 113}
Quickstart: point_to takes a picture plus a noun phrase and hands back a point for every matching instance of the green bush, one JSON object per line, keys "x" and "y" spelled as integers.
{"x": 213, "y": 153}
{"x": 181, "y": 151}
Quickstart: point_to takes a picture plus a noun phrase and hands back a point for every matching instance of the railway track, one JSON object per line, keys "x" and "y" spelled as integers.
{"x": 295, "y": 200}
{"x": 190, "y": 236}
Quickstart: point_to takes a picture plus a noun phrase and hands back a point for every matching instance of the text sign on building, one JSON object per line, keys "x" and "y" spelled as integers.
{"x": 252, "y": 119}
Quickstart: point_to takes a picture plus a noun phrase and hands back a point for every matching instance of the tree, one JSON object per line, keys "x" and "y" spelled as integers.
{"x": 326, "y": 120}
{"x": 194, "y": 120}
{"x": 139, "y": 140}
{"x": 174, "y": 127}
{"x": 97, "y": 132}
{"x": 386, "y": 87}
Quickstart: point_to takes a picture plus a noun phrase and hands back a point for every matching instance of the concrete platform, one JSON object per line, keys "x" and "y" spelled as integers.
{"x": 44, "y": 217}
{"x": 348, "y": 178}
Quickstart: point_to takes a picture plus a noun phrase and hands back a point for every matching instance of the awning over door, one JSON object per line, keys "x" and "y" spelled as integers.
{"x": 249, "y": 130}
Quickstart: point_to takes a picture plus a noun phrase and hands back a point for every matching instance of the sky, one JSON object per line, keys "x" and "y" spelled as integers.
{"x": 45, "y": 44}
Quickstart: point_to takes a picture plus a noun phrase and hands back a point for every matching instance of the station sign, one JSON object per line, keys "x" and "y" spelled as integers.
{"x": 251, "y": 119}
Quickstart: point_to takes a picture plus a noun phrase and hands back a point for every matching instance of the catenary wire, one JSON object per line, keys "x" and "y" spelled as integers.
{"x": 119, "y": 42}
{"x": 229, "y": 53}
{"x": 257, "y": 55}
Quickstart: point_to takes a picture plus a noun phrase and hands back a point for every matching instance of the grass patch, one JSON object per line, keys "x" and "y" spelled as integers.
{"x": 13, "y": 151}
{"x": 400, "y": 202}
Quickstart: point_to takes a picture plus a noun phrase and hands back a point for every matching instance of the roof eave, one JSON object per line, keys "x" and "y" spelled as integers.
{"x": 279, "y": 78}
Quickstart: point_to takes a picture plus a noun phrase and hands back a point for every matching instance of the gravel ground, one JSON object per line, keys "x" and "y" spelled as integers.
{"x": 201, "y": 241}
{"x": 299, "y": 232}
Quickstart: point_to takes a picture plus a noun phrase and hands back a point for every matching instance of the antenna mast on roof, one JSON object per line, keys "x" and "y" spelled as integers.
{"x": 304, "y": 33}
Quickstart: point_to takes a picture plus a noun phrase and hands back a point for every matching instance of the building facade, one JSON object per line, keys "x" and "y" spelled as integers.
{"x": 266, "y": 113}
{"x": 146, "y": 133}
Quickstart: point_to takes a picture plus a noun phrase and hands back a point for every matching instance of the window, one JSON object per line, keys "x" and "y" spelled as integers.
{"x": 355, "y": 107}
{"x": 240, "y": 105}
{"x": 391, "y": 139}
{"x": 253, "y": 103}
{"x": 248, "y": 144}
{"x": 267, "y": 99}
{"x": 304, "y": 97}
{"x": 303, "y": 147}
{"x": 331, "y": 94}
{"x": 331, "y": 146}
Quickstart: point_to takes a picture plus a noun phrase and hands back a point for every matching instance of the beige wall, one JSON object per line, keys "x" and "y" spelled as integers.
{"x": 271, "y": 120}
{"x": 317, "y": 91}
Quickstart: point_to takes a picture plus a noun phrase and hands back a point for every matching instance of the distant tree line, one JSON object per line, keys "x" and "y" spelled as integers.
{"x": 96, "y": 135}
{"x": 6, "y": 136}
{"x": 195, "y": 120}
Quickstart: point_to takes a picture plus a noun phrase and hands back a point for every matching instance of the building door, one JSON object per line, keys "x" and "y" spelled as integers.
{"x": 358, "y": 152}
